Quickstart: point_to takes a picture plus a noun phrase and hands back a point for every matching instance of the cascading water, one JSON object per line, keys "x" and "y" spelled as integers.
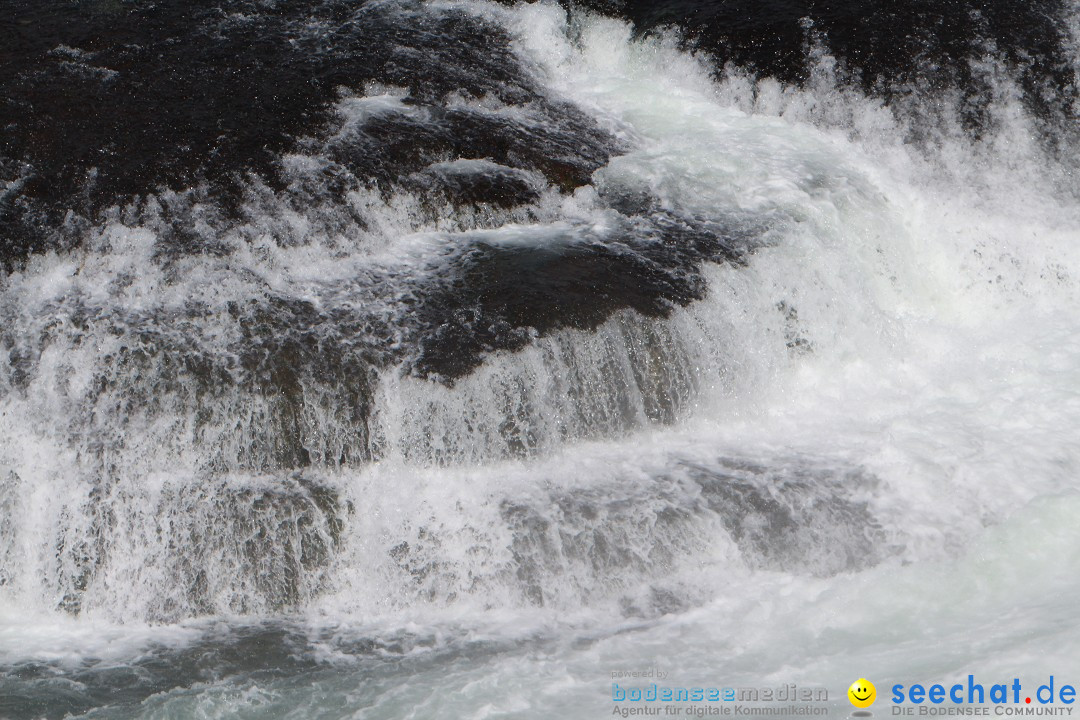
{"x": 502, "y": 347}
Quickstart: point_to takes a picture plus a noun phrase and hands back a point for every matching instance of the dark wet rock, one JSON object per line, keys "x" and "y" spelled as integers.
{"x": 101, "y": 108}
{"x": 588, "y": 544}
{"x": 562, "y": 144}
{"x": 798, "y": 518}
{"x": 886, "y": 48}
{"x": 477, "y": 183}
{"x": 227, "y": 545}
{"x": 497, "y": 297}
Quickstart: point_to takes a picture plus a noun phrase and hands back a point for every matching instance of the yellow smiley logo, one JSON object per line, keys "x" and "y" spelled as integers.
{"x": 862, "y": 693}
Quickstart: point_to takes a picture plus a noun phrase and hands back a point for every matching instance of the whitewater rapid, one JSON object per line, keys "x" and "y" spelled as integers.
{"x": 843, "y": 444}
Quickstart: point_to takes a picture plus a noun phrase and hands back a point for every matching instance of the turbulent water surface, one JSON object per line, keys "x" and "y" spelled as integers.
{"x": 401, "y": 359}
